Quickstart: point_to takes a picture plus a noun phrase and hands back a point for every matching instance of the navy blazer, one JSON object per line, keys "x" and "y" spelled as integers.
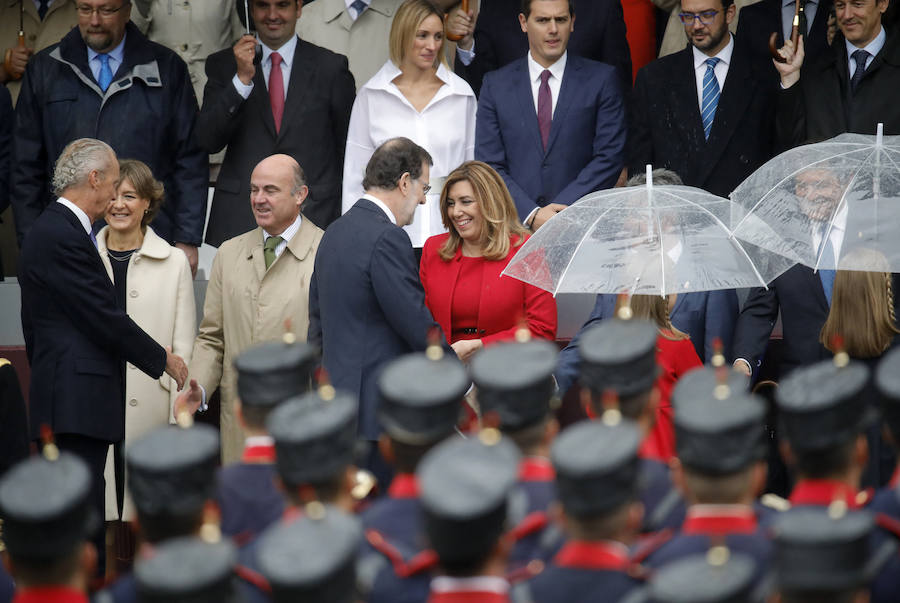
{"x": 704, "y": 315}
{"x": 75, "y": 335}
{"x": 587, "y": 137}
{"x": 366, "y": 304}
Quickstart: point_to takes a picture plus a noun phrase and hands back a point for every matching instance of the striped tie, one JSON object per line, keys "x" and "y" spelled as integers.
{"x": 710, "y": 96}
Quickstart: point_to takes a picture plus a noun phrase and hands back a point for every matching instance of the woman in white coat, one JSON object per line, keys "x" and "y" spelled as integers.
{"x": 413, "y": 95}
{"x": 154, "y": 285}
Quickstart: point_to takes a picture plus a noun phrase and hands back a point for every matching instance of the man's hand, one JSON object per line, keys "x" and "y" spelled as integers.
{"x": 790, "y": 71}
{"x": 741, "y": 366}
{"x": 176, "y": 368}
{"x": 244, "y": 53}
{"x": 192, "y": 254}
{"x": 189, "y": 400}
{"x": 18, "y": 58}
{"x": 462, "y": 24}
{"x": 545, "y": 213}
{"x": 464, "y": 348}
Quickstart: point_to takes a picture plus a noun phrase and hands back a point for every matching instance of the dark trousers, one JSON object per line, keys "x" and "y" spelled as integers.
{"x": 93, "y": 452}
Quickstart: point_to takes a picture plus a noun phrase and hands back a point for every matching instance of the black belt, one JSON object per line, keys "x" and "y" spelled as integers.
{"x": 467, "y": 331}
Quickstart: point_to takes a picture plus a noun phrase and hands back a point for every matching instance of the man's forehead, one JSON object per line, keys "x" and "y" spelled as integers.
{"x": 699, "y": 6}
{"x": 549, "y": 8}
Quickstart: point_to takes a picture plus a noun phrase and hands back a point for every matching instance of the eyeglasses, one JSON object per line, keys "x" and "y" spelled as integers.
{"x": 104, "y": 11}
{"x": 705, "y": 17}
{"x": 426, "y": 188}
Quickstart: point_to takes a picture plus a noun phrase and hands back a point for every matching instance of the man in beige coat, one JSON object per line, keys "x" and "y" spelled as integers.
{"x": 247, "y": 302}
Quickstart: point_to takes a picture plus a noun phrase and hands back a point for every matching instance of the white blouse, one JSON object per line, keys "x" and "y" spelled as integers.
{"x": 445, "y": 128}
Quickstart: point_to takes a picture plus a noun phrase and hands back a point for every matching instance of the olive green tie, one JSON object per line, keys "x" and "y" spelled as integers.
{"x": 269, "y": 249}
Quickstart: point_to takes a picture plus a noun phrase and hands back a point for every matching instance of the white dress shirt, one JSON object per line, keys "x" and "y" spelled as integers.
{"x": 873, "y": 48}
{"x": 721, "y": 69}
{"x": 287, "y": 59}
{"x": 79, "y": 213}
{"x": 383, "y": 206}
{"x": 287, "y": 235}
{"x": 445, "y": 128}
{"x": 483, "y": 584}
{"x": 787, "y": 16}
{"x": 557, "y": 70}
{"x": 116, "y": 56}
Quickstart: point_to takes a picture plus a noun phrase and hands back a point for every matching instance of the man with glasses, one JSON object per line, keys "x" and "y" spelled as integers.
{"x": 105, "y": 80}
{"x": 366, "y": 304}
{"x": 704, "y": 112}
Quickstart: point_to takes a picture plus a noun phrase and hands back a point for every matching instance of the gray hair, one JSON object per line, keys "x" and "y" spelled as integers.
{"x": 299, "y": 179}
{"x": 78, "y": 160}
{"x": 661, "y": 176}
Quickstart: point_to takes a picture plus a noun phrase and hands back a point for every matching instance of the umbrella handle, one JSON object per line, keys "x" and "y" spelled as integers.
{"x": 465, "y": 9}
{"x": 795, "y": 36}
{"x": 7, "y": 59}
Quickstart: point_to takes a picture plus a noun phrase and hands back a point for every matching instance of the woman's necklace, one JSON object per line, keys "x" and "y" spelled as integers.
{"x": 120, "y": 256}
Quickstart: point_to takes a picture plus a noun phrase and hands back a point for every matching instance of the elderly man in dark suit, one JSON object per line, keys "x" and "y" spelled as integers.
{"x": 76, "y": 337}
{"x": 705, "y": 112}
{"x": 277, "y": 94}
{"x": 366, "y": 304}
{"x": 551, "y": 123}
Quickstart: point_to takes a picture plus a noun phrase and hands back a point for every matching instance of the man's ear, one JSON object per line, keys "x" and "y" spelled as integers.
{"x": 301, "y": 195}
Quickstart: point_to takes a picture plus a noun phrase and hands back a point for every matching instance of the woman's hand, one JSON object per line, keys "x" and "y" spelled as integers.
{"x": 465, "y": 348}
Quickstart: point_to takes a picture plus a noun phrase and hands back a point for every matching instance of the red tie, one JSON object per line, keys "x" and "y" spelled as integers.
{"x": 276, "y": 90}
{"x": 545, "y": 108}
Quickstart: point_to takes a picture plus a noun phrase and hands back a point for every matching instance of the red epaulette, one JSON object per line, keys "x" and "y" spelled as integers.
{"x": 525, "y": 572}
{"x": 888, "y": 523}
{"x": 253, "y": 577}
{"x": 422, "y": 561}
{"x": 650, "y": 545}
{"x": 533, "y": 522}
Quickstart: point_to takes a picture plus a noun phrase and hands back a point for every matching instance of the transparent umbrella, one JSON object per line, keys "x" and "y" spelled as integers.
{"x": 644, "y": 240}
{"x": 832, "y": 204}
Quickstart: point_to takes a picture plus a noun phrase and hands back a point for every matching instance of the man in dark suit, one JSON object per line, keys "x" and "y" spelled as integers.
{"x": 852, "y": 88}
{"x": 76, "y": 337}
{"x": 551, "y": 123}
{"x": 760, "y": 20}
{"x": 366, "y": 304}
{"x": 704, "y": 112}
{"x": 274, "y": 95}
{"x": 600, "y": 36}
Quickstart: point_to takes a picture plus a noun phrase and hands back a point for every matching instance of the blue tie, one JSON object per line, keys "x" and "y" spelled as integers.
{"x": 710, "y": 96}
{"x": 359, "y": 6}
{"x": 93, "y": 238}
{"x": 105, "y": 72}
{"x": 827, "y": 276}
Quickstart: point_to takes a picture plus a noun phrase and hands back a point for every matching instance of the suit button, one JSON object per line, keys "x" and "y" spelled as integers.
{"x": 482, "y": 331}
{"x": 137, "y": 259}
{"x": 133, "y": 293}
{"x": 132, "y": 402}
{"x": 744, "y": 159}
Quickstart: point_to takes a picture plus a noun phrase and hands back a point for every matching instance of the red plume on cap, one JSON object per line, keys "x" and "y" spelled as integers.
{"x": 718, "y": 358}
{"x": 836, "y": 344}
{"x": 321, "y": 377}
{"x": 434, "y": 336}
{"x": 46, "y": 434}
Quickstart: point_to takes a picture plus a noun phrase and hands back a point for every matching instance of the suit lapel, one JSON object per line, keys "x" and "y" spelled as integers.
{"x": 302, "y": 72}
{"x": 773, "y": 16}
{"x": 566, "y": 92}
{"x": 261, "y": 95}
{"x": 682, "y": 87}
{"x": 255, "y": 254}
{"x": 522, "y": 91}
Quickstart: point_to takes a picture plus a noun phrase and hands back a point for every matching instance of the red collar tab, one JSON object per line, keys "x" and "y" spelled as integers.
{"x": 895, "y": 479}
{"x": 422, "y": 561}
{"x": 823, "y": 492}
{"x": 533, "y": 522}
{"x": 472, "y": 596}
{"x": 580, "y": 554}
{"x": 259, "y": 454}
{"x": 536, "y": 469}
{"x": 404, "y": 485}
{"x": 254, "y": 578}
{"x": 726, "y": 522}
{"x": 49, "y": 594}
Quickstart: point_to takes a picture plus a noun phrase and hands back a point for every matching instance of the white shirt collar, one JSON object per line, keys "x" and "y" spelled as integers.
{"x": 383, "y": 207}
{"x": 557, "y": 69}
{"x": 286, "y": 51}
{"x": 79, "y": 213}
{"x": 262, "y": 440}
{"x": 288, "y": 233}
{"x": 724, "y": 55}
{"x": 384, "y": 80}
{"x": 873, "y": 47}
{"x": 490, "y": 584}
{"x": 786, "y": 3}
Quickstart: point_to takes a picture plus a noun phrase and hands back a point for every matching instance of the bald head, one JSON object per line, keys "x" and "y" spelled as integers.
{"x": 277, "y": 190}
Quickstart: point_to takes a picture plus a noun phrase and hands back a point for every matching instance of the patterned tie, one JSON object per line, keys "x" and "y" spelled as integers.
{"x": 359, "y": 6}
{"x": 42, "y": 8}
{"x": 276, "y": 90}
{"x": 860, "y": 56}
{"x": 545, "y": 107}
{"x": 827, "y": 275}
{"x": 269, "y": 249}
{"x": 710, "y": 96}
{"x": 105, "y": 72}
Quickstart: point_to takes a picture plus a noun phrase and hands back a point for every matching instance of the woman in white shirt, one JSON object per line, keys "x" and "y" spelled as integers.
{"x": 417, "y": 96}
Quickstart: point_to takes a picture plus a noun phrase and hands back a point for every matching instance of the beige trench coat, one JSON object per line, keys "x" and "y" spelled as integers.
{"x": 245, "y": 305}
{"x": 160, "y": 300}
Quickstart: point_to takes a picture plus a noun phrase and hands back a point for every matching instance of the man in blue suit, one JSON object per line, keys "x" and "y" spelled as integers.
{"x": 551, "y": 123}
{"x": 366, "y": 303}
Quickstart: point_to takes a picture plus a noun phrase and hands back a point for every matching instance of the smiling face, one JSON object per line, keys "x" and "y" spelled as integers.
{"x": 426, "y": 44}
{"x": 464, "y": 211}
{"x": 102, "y": 22}
{"x": 859, "y": 20}
{"x": 275, "y": 20}
{"x": 819, "y": 192}
{"x": 708, "y": 39}
{"x": 548, "y": 27}
{"x": 275, "y": 205}
{"x": 125, "y": 213}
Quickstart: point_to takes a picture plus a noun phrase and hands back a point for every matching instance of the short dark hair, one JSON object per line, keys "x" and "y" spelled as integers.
{"x": 407, "y": 456}
{"x": 165, "y": 526}
{"x": 391, "y": 160}
{"x": 631, "y": 407}
{"x": 823, "y": 464}
{"x": 820, "y": 596}
{"x": 526, "y": 7}
{"x": 326, "y": 491}
{"x": 255, "y": 417}
{"x": 530, "y": 437}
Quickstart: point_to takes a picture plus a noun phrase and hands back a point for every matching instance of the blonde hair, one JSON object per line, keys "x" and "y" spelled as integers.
{"x": 406, "y": 22}
{"x": 655, "y": 308}
{"x": 862, "y": 309}
{"x": 498, "y": 212}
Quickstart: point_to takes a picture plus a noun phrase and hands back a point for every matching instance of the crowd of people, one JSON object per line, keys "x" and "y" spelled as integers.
{"x": 395, "y": 419}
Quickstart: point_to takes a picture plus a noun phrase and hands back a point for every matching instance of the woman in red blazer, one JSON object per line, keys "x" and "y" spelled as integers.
{"x": 460, "y": 270}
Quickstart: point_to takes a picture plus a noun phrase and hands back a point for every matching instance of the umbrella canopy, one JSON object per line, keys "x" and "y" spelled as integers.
{"x": 830, "y": 205}
{"x": 643, "y": 240}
